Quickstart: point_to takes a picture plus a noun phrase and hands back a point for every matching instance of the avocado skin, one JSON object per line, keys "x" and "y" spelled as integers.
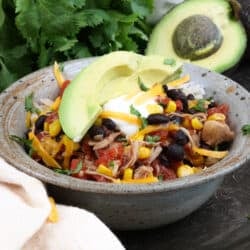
{"x": 245, "y": 19}
{"x": 220, "y": 12}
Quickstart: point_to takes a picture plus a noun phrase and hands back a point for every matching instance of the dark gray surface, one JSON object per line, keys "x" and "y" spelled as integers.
{"x": 222, "y": 223}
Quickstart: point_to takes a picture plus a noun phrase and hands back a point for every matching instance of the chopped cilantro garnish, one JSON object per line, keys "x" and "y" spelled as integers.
{"x": 135, "y": 112}
{"x": 111, "y": 164}
{"x": 152, "y": 139}
{"x": 245, "y": 129}
{"x": 144, "y": 122}
{"x": 29, "y": 106}
{"x": 27, "y": 144}
{"x": 69, "y": 171}
{"x": 169, "y": 61}
{"x": 160, "y": 178}
{"x": 200, "y": 106}
{"x": 142, "y": 86}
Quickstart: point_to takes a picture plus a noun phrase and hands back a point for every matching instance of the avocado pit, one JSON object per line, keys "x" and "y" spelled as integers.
{"x": 196, "y": 37}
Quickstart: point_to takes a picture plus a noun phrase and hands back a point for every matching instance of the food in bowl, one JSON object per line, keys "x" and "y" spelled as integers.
{"x": 153, "y": 132}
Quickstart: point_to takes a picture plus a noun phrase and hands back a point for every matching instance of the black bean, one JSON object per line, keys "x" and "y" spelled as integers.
{"x": 157, "y": 118}
{"x": 175, "y": 152}
{"x": 109, "y": 124}
{"x": 180, "y": 137}
{"x": 173, "y": 93}
{"x": 190, "y": 97}
{"x": 164, "y": 160}
{"x": 97, "y": 132}
{"x": 39, "y": 123}
{"x": 176, "y": 119}
{"x": 212, "y": 105}
{"x": 165, "y": 88}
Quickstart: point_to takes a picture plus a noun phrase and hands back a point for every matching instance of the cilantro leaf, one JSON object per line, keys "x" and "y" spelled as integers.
{"x": 27, "y": 144}
{"x": 144, "y": 123}
{"x": 36, "y": 33}
{"x": 134, "y": 111}
{"x": 169, "y": 61}
{"x": 29, "y": 106}
{"x": 78, "y": 168}
{"x": 142, "y": 86}
{"x": 69, "y": 171}
{"x": 200, "y": 106}
{"x": 245, "y": 129}
{"x": 152, "y": 139}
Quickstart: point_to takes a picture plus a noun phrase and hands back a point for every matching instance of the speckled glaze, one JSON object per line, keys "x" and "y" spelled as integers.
{"x": 126, "y": 206}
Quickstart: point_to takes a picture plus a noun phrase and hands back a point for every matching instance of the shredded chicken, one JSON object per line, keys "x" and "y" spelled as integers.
{"x": 154, "y": 153}
{"x": 143, "y": 172}
{"x": 105, "y": 142}
{"x": 133, "y": 155}
{"x": 215, "y": 132}
{"x": 89, "y": 172}
{"x": 211, "y": 161}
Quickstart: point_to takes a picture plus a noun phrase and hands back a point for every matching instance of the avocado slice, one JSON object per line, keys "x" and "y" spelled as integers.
{"x": 111, "y": 75}
{"x": 202, "y": 32}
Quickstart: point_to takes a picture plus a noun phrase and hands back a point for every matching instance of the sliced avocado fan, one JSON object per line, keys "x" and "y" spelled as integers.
{"x": 111, "y": 75}
{"x": 204, "y": 32}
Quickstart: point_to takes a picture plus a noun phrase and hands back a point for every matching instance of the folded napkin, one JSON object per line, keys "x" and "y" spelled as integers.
{"x": 24, "y": 225}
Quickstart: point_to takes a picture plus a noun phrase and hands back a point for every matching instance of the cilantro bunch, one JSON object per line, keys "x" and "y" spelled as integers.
{"x": 34, "y": 33}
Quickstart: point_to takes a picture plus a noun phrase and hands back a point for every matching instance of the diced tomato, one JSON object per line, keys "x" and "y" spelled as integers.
{"x": 64, "y": 86}
{"x": 167, "y": 173}
{"x": 74, "y": 163}
{"x": 113, "y": 152}
{"x": 222, "y": 108}
{"x": 179, "y": 105}
{"x": 163, "y": 100}
{"x": 163, "y": 134}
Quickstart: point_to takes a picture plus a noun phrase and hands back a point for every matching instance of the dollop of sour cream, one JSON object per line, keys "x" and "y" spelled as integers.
{"x": 141, "y": 102}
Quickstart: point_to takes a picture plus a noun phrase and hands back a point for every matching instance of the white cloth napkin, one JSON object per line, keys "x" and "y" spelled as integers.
{"x": 24, "y": 209}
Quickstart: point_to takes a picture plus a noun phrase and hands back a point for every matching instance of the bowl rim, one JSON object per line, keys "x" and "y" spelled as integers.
{"x": 72, "y": 183}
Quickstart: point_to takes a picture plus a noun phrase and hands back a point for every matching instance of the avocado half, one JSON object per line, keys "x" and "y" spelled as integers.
{"x": 203, "y": 32}
{"x": 109, "y": 76}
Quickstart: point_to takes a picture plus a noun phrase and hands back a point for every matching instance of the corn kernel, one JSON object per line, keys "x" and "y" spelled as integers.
{"x": 128, "y": 174}
{"x": 154, "y": 108}
{"x": 53, "y": 215}
{"x": 217, "y": 117}
{"x": 144, "y": 153}
{"x": 27, "y": 119}
{"x": 185, "y": 170}
{"x": 46, "y": 126}
{"x": 197, "y": 160}
{"x": 54, "y": 128}
{"x": 196, "y": 123}
{"x": 171, "y": 107}
{"x": 192, "y": 103}
{"x": 56, "y": 103}
{"x": 102, "y": 169}
{"x": 186, "y": 123}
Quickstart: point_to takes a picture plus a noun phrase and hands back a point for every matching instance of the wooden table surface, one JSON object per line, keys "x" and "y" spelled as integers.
{"x": 222, "y": 223}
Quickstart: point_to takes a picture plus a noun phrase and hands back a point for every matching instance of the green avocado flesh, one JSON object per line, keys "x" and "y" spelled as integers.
{"x": 109, "y": 76}
{"x": 203, "y": 32}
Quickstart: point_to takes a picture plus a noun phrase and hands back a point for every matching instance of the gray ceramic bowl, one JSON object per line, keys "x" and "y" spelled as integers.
{"x": 126, "y": 206}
